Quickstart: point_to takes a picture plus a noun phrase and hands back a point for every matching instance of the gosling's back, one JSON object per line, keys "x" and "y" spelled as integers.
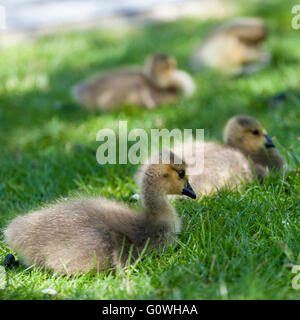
{"x": 223, "y": 167}
{"x": 71, "y": 235}
{"x": 129, "y": 86}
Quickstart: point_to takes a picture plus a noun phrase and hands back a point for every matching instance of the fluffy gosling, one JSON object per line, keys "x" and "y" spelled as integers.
{"x": 248, "y": 152}
{"x": 92, "y": 234}
{"x": 234, "y": 48}
{"x": 157, "y": 82}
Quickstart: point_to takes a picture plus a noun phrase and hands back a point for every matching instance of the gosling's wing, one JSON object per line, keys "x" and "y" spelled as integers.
{"x": 223, "y": 167}
{"x": 250, "y": 30}
{"x": 107, "y": 89}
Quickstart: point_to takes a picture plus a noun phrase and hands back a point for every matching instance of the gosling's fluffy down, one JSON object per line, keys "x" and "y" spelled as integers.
{"x": 157, "y": 82}
{"x": 233, "y": 48}
{"x": 96, "y": 233}
{"x": 248, "y": 152}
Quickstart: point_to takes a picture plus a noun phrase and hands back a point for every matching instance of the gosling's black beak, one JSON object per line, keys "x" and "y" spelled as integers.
{"x": 269, "y": 143}
{"x": 188, "y": 191}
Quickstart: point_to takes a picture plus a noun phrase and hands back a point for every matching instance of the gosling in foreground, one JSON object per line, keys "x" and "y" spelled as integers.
{"x": 92, "y": 234}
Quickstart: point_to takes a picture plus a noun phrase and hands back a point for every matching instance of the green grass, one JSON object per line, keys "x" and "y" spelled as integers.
{"x": 233, "y": 245}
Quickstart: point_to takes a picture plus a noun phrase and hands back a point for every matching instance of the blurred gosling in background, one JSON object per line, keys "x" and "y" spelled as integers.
{"x": 248, "y": 152}
{"x": 233, "y": 48}
{"x": 157, "y": 82}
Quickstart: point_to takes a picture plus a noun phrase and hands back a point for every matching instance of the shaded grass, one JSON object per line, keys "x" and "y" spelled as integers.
{"x": 233, "y": 245}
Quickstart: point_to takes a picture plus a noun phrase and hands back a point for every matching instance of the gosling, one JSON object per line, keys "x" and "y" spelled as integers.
{"x": 93, "y": 234}
{"x": 248, "y": 153}
{"x": 156, "y": 83}
{"x": 233, "y": 48}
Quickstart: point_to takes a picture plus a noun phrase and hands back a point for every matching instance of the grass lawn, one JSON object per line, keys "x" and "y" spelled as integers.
{"x": 233, "y": 245}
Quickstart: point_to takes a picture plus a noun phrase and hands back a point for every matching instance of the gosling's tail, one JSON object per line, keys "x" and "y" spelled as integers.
{"x": 15, "y": 233}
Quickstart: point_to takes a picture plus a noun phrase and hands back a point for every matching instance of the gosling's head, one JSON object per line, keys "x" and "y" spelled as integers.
{"x": 247, "y": 134}
{"x": 159, "y": 67}
{"x": 167, "y": 175}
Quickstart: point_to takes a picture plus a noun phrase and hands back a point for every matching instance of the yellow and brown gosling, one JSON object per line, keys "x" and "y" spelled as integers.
{"x": 233, "y": 48}
{"x": 157, "y": 82}
{"x": 248, "y": 152}
{"x": 92, "y": 234}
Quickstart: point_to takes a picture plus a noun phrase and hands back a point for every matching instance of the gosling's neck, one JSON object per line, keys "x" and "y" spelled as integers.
{"x": 161, "y": 81}
{"x": 270, "y": 157}
{"x": 158, "y": 210}
{"x": 155, "y": 202}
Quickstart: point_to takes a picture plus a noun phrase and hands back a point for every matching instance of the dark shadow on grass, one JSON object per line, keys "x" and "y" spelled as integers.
{"x": 40, "y": 178}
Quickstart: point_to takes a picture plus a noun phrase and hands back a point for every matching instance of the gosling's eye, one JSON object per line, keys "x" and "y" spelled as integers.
{"x": 255, "y": 132}
{"x": 181, "y": 174}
